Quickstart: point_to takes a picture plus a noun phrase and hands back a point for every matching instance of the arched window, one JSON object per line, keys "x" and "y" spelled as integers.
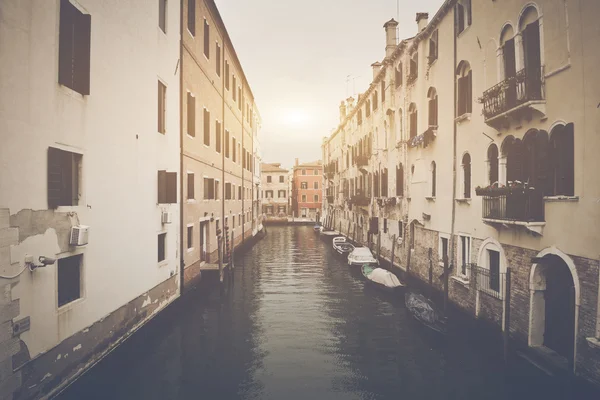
{"x": 462, "y": 15}
{"x": 400, "y": 180}
{"x": 414, "y": 67}
{"x": 466, "y": 167}
{"x": 433, "y": 107}
{"x": 412, "y": 111}
{"x": 464, "y": 89}
{"x": 562, "y": 153}
{"x": 433, "y": 47}
{"x": 433, "y": 178}
{"x": 529, "y": 27}
{"x": 507, "y": 43}
{"x": 384, "y": 183}
{"x": 399, "y": 75}
{"x": 492, "y": 155}
{"x": 400, "y": 125}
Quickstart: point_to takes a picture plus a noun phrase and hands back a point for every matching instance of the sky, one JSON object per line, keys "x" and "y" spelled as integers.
{"x": 302, "y": 58}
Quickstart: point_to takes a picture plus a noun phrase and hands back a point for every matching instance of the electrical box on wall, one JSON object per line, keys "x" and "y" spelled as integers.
{"x": 165, "y": 217}
{"x": 79, "y": 235}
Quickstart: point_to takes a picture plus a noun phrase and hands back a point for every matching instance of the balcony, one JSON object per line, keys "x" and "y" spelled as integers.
{"x": 516, "y": 97}
{"x": 510, "y": 206}
{"x": 362, "y": 161}
{"x": 330, "y": 199}
{"x": 360, "y": 199}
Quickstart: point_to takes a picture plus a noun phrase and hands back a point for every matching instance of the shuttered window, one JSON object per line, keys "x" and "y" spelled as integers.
{"x": 69, "y": 279}
{"x": 459, "y": 18}
{"x": 227, "y": 143}
{"x": 191, "y": 115}
{"x": 64, "y": 175}
{"x": 162, "y": 95}
{"x": 162, "y": 15}
{"x": 466, "y": 164}
{"x": 191, "y": 20}
{"x": 227, "y": 75}
{"x": 399, "y": 75}
{"x": 433, "y": 179}
{"x": 233, "y": 154}
{"x": 167, "y": 187}
{"x": 383, "y": 91}
{"x": 162, "y": 247}
{"x": 228, "y": 191}
{"x": 206, "y": 127}
{"x": 190, "y": 186}
{"x": 218, "y": 58}
{"x": 433, "y": 111}
{"x": 209, "y": 189}
{"x": 465, "y": 96}
{"x": 413, "y": 124}
{"x": 74, "y": 48}
{"x": 234, "y": 87}
{"x": 218, "y": 136}
{"x": 206, "y": 39}
{"x": 400, "y": 180}
{"x": 562, "y": 143}
{"x": 433, "y": 47}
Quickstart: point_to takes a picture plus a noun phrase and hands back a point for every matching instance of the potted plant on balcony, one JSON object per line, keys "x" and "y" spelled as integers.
{"x": 498, "y": 189}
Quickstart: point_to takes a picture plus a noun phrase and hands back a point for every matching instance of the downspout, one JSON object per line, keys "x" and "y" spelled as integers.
{"x": 244, "y": 161}
{"x": 222, "y": 133}
{"x": 454, "y": 158}
{"x": 181, "y": 253}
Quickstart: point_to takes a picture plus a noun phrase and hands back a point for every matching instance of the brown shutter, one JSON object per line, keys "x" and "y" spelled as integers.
{"x": 509, "y": 59}
{"x": 162, "y": 187}
{"x": 65, "y": 46}
{"x": 171, "y": 187}
{"x": 533, "y": 64}
{"x": 83, "y": 26}
{"x": 54, "y": 177}
{"x": 435, "y": 38}
{"x": 192, "y": 17}
{"x": 191, "y": 115}
{"x": 206, "y": 39}
{"x": 468, "y": 7}
{"x": 469, "y": 92}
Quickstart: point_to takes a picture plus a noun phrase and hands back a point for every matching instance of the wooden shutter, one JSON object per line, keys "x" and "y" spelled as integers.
{"x": 206, "y": 127}
{"x": 190, "y": 184}
{"x": 460, "y": 109}
{"x": 533, "y": 66}
{"x": 171, "y": 187}
{"x": 206, "y": 39}
{"x": 510, "y": 68}
{"x": 459, "y": 18}
{"x": 435, "y": 39}
{"x": 54, "y": 177}
{"x": 65, "y": 46}
{"x": 192, "y": 17}
{"x": 191, "y": 115}
{"x": 468, "y": 8}
{"x": 162, "y": 187}
{"x": 467, "y": 170}
{"x": 469, "y": 92}
{"x": 81, "y": 78}
{"x": 218, "y": 136}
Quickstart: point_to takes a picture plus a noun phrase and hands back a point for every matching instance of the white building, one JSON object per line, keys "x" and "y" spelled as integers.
{"x": 275, "y": 190}
{"x": 90, "y": 137}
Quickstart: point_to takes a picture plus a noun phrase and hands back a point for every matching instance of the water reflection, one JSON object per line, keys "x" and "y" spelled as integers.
{"x": 295, "y": 323}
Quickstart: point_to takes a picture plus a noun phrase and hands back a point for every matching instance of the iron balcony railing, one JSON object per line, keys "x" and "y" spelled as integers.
{"x": 360, "y": 199}
{"x": 525, "y": 86}
{"x": 525, "y": 205}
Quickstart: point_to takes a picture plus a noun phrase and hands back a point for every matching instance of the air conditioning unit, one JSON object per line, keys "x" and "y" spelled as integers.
{"x": 165, "y": 217}
{"x": 79, "y": 235}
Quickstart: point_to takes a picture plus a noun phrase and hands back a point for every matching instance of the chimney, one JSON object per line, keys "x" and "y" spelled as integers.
{"x": 342, "y": 111}
{"x": 422, "y": 20}
{"x": 296, "y": 163}
{"x": 376, "y": 68}
{"x": 391, "y": 37}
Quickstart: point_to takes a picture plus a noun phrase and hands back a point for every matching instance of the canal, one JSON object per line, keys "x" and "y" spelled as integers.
{"x": 296, "y": 323}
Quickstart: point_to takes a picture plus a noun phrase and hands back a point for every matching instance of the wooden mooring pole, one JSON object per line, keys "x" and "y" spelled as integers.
{"x": 393, "y": 248}
{"x": 506, "y": 332}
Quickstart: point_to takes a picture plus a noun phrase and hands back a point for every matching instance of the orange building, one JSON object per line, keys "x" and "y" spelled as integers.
{"x": 307, "y": 190}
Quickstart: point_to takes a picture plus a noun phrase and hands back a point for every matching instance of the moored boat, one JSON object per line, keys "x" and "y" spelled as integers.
{"x": 425, "y": 312}
{"x": 317, "y": 228}
{"x": 361, "y": 256}
{"x": 341, "y": 246}
{"x": 381, "y": 278}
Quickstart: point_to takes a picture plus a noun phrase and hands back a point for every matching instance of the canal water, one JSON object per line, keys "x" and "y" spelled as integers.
{"x": 295, "y": 322}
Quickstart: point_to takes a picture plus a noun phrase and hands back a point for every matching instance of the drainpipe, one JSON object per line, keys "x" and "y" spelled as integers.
{"x": 222, "y": 133}
{"x": 181, "y": 253}
{"x": 452, "y": 226}
{"x": 243, "y": 155}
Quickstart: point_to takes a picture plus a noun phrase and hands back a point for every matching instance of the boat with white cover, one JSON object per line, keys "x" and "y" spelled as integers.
{"x": 381, "y": 278}
{"x": 361, "y": 256}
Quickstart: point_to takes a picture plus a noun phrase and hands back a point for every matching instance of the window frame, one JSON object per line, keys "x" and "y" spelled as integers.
{"x": 80, "y": 289}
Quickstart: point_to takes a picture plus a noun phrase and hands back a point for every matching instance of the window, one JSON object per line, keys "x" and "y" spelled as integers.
{"x": 282, "y": 179}
{"x": 218, "y": 58}
{"x": 563, "y": 160}
{"x": 190, "y": 185}
{"x": 218, "y": 136}
{"x": 191, "y": 20}
{"x": 359, "y": 117}
{"x": 74, "y": 48}
{"x": 239, "y": 98}
{"x": 69, "y": 279}
{"x": 433, "y": 47}
{"x": 316, "y": 185}
{"x": 316, "y": 172}
{"x": 191, "y": 114}
{"x": 206, "y": 127}
{"x": 162, "y": 15}
{"x": 508, "y": 55}
{"x": 494, "y": 266}
{"x": 227, "y": 75}
{"x": 206, "y": 39}
{"x": 303, "y": 172}
{"x": 268, "y": 178}
{"x": 304, "y": 198}
{"x": 228, "y": 193}
{"x": 412, "y": 111}
{"x": 529, "y": 26}
{"x": 64, "y": 178}
{"x": 400, "y": 229}
{"x": 162, "y": 97}
{"x": 466, "y": 166}
{"x": 443, "y": 250}
{"x": 465, "y": 88}
{"x": 492, "y": 155}
{"x": 216, "y": 190}
{"x": 190, "y": 237}
{"x": 281, "y": 194}
{"x": 162, "y": 248}
{"x": 367, "y": 108}
{"x": 234, "y": 91}
{"x": 433, "y": 107}
{"x": 384, "y": 183}
{"x": 227, "y": 143}
{"x": 462, "y": 15}
{"x": 400, "y": 180}
{"x": 269, "y": 194}
{"x": 167, "y": 187}
{"x": 398, "y": 75}
{"x": 239, "y": 192}
{"x": 316, "y": 198}
{"x": 382, "y": 91}
{"x": 233, "y": 155}
{"x": 375, "y": 100}
{"x": 413, "y": 73}
{"x": 385, "y": 228}
{"x": 433, "y": 178}
{"x": 303, "y": 185}
{"x": 233, "y": 222}
{"x": 209, "y": 189}
{"x": 465, "y": 255}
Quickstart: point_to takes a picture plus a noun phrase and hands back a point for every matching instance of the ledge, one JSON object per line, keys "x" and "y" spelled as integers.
{"x": 550, "y": 199}
{"x": 460, "y": 279}
{"x": 463, "y": 201}
{"x": 430, "y": 198}
{"x": 463, "y": 118}
{"x": 534, "y": 227}
{"x": 593, "y": 342}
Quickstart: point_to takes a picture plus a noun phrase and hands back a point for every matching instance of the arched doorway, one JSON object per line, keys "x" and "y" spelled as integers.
{"x": 554, "y": 288}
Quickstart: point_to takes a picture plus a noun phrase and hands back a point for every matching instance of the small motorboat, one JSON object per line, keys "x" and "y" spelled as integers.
{"x": 381, "y": 278}
{"x": 317, "y": 228}
{"x": 361, "y": 256}
{"x": 425, "y": 312}
{"x": 341, "y": 246}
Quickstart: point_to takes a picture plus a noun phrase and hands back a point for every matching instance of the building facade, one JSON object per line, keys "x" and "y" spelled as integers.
{"x": 275, "y": 190}
{"x": 471, "y": 153}
{"x": 90, "y": 177}
{"x": 220, "y": 125}
{"x": 307, "y": 190}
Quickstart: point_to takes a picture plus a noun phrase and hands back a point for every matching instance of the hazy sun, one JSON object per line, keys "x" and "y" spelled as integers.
{"x": 295, "y": 117}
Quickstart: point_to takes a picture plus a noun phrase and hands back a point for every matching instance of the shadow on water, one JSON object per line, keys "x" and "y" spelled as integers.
{"x": 293, "y": 321}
